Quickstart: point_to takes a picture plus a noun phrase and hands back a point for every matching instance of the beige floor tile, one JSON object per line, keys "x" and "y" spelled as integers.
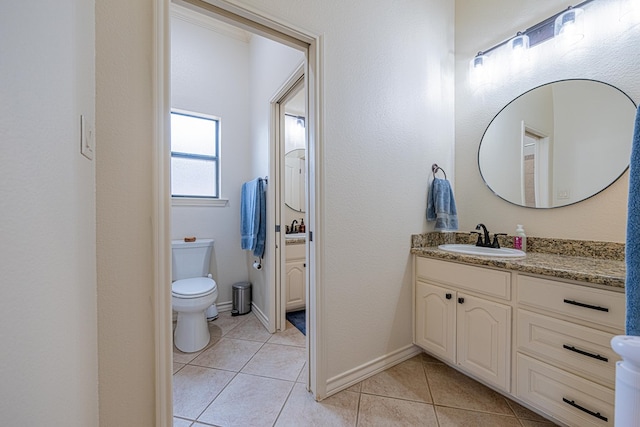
{"x": 277, "y": 361}
{"x": 302, "y": 378}
{"x": 225, "y": 323}
{"x": 451, "y": 388}
{"x": 452, "y": 417}
{"x": 385, "y": 411}
{"x": 531, "y": 423}
{"x": 248, "y": 401}
{"x": 406, "y": 380}
{"x": 251, "y": 329}
{"x": 181, "y": 357}
{"x": 301, "y": 409}
{"x": 427, "y": 358}
{"x": 290, "y": 336}
{"x": 524, "y": 413}
{"x": 357, "y": 388}
{"x": 228, "y": 354}
{"x": 179, "y": 422}
{"x": 195, "y": 387}
{"x": 177, "y": 367}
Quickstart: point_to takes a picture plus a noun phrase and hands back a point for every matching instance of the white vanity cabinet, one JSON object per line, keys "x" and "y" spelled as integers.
{"x": 459, "y": 317}
{"x": 565, "y": 364}
{"x": 295, "y": 265}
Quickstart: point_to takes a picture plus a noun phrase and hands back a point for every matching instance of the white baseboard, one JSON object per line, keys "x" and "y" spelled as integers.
{"x": 260, "y": 315}
{"x": 369, "y": 369}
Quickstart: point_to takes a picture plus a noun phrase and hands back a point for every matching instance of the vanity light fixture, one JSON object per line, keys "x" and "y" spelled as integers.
{"x": 555, "y": 25}
{"x": 569, "y": 24}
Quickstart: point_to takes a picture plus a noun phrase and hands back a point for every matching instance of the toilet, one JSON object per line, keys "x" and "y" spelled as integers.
{"x": 193, "y": 293}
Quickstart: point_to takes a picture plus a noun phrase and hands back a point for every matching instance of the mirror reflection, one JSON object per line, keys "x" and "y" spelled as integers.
{"x": 294, "y": 179}
{"x": 558, "y": 144}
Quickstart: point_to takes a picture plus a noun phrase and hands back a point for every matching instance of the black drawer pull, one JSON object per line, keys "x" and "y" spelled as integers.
{"x": 581, "y": 304}
{"x": 575, "y": 405}
{"x": 461, "y": 300}
{"x": 585, "y": 353}
{"x": 448, "y": 296}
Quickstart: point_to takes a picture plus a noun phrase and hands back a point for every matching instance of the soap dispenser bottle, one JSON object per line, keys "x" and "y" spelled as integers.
{"x": 520, "y": 239}
{"x": 302, "y": 228}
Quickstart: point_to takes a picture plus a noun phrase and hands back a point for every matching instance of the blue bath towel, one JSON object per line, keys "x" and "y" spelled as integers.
{"x": 632, "y": 255}
{"x": 441, "y": 206}
{"x": 253, "y": 216}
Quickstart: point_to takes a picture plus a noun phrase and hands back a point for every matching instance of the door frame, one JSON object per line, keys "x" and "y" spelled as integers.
{"x": 277, "y": 152}
{"x": 312, "y": 45}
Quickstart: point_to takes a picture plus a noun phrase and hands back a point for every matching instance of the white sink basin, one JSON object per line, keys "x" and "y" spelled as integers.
{"x": 479, "y": 250}
{"x": 295, "y": 236}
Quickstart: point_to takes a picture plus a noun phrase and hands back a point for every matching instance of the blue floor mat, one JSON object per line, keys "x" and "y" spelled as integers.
{"x": 298, "y": 319}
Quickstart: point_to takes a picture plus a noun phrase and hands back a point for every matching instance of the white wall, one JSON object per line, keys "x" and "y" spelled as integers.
{"x": 388, "y": 115}
{"x": 124, "y": 209}
{"x": 388, "y": 103}
{"x": 606, "y": 54}
{"x": 272, "y": 64}
{"x": 210, "y": 74}
{"x": 49, "y": 365}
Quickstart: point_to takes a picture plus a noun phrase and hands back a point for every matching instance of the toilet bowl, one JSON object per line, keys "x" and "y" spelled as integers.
{"x": 190, "y": 298}
{"x": 193, "y": 292}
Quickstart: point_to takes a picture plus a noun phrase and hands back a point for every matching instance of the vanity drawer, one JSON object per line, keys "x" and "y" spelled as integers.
{"x": 571, "y": 399}
{"x": 477, "y": 279}
{"x": 579, "y": 349}
{"x": 599, "y": 306}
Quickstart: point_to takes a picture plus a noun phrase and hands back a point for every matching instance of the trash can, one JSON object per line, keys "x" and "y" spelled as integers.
{"x": 241, "y": 298}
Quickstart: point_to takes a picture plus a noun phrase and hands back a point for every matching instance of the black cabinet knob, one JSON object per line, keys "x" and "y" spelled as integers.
{"x": 461, "y": 300}
{"x": 448, "y": 296}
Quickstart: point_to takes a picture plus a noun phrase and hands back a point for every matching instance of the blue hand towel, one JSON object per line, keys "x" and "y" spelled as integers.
{"x": 253, "y": 228}
{"x": 441, "y": 206}
{"x": 632, "y": 249}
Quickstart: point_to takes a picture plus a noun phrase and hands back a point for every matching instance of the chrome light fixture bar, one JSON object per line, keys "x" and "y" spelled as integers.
{"x": 536, "y": 34}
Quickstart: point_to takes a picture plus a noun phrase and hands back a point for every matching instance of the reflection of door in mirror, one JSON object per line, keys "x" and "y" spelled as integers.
{"x": 294, "y": 177}
{"x": 535, "y": 168}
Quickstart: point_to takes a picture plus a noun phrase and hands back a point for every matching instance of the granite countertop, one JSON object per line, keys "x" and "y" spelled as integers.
{"x": 581, "y": 265}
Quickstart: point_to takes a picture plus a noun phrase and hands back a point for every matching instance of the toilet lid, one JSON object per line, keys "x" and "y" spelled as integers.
{"x": 193, "y": 287}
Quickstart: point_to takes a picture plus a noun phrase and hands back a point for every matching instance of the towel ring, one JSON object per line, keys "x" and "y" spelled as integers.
{"x": 435, "y": 168}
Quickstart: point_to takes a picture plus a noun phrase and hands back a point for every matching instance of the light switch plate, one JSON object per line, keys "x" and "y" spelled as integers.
{"x": 87, "y": 140}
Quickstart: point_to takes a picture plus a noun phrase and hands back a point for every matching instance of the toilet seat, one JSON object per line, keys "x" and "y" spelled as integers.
{"x": 193, "y": 287}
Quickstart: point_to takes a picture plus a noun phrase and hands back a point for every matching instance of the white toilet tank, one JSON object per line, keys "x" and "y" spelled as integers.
{"x": 190, "y": 259}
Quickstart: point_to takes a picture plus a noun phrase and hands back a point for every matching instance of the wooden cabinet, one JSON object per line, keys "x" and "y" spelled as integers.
{"x": 548, "y": 347}
{"x": 565, "y": 364}
{"x": 295, "y": 277}
{"x": 461, "y": 327}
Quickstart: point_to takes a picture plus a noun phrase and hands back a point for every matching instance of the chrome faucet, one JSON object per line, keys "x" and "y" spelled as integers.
{"x": 293, "y": 228}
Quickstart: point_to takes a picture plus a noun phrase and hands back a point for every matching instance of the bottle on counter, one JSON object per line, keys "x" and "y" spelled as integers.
{"x": 520, "y": 239}
{"x": 302, "y": 228}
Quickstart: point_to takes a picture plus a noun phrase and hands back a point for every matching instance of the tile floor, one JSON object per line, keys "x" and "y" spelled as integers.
{"x": 249, "y": 377}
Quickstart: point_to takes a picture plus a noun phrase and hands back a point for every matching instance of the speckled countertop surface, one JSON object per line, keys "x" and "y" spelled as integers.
{"x": 603, "y": 265}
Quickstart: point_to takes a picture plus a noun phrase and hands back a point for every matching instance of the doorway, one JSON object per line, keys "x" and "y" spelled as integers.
{"x": 292, "y": 38}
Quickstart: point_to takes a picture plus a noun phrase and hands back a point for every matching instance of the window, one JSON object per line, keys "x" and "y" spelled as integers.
{"x": 195, "y": 161}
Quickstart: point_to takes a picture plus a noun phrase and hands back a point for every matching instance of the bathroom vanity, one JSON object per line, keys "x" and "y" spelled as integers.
{"x": 537, "y": 329}
{"x": 295, "y": 265}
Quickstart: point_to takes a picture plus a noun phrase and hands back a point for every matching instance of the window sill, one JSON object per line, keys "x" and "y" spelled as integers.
{"x": 194, "y": 201}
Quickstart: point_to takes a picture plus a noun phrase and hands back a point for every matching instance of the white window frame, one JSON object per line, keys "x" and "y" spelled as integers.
{"x": 193, "y": 200}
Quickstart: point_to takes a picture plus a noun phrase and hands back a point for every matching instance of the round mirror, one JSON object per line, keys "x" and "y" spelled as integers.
{"x": 294, "y": 177}
{"x": 558, "y": 144}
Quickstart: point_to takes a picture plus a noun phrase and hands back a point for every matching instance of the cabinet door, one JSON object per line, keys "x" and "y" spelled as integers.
{"x": 435, "y": 320}
{"x": 295, "y": 279}
{"x": 484, "y": 339}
